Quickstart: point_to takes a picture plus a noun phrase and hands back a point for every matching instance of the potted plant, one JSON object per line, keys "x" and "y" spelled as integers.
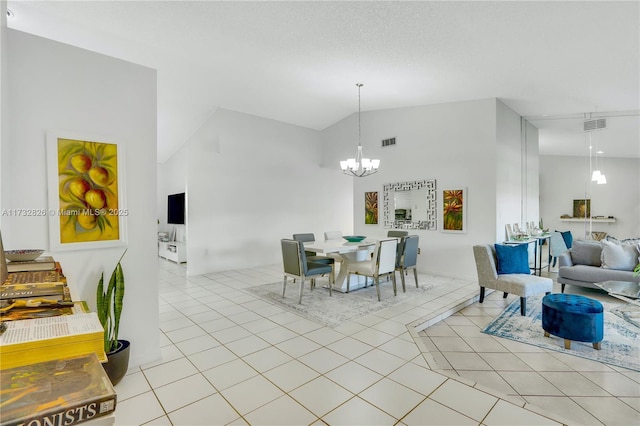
{"x": 109, "y": 309}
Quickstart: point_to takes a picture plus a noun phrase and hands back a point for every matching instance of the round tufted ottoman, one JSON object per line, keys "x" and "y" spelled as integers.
{"x": 573, "y": 317}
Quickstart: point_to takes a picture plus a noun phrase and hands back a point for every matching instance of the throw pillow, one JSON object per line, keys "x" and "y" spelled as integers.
{"x": 586, "y": 252}
{"x": 513, "y": 259}
{"x": 619, "y": 256}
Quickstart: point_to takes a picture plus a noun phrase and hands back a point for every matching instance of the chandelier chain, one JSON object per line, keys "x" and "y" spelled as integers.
{"x": 359, "y": 138}
{"x": 359, "y": 166}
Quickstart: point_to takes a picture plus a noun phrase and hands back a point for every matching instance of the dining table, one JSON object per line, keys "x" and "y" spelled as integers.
{"x": 349, "y": 252}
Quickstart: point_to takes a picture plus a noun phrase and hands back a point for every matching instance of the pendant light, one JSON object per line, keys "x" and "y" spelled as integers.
{"x": 359, "y": 166}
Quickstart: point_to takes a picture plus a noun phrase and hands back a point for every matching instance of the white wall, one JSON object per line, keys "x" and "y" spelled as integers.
{"x": 564, "y": 179}
{"x": 4, "y": 98}
{"x": 250, "y": 182}
{"x": 172, "y": 179}
{"x": 454, "y": 143}
{"x": 57, "y": 86}
{"x": 516, "y": 171}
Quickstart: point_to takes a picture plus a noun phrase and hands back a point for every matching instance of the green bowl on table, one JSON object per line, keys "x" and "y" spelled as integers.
{"x": 354, "y": 238}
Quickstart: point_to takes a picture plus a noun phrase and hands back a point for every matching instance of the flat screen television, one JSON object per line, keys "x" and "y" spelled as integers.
{"x": 175, "y": 209}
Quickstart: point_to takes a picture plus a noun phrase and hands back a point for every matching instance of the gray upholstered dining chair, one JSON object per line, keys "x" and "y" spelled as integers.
{"x": 407, "y": 258}
{"x": 523, "y": 285}
{"x": 296, "y": 265}
{"x": 312, "y": 256}
{"x": 383, "y": 262}
{"x": 397, "y": 234}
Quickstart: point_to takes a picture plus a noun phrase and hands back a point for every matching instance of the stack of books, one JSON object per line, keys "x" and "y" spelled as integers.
{"x": 36, "y": 289}
{"x": 44, "y": 339}
{"x": 65, "y": 391}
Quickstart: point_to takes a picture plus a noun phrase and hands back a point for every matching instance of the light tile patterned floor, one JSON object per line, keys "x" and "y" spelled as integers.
{"x": 229, "y": 357}
{"x": 578, "y": 390}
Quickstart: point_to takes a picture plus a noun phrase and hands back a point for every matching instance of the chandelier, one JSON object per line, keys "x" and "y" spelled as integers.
{"x": 359, "y": 166}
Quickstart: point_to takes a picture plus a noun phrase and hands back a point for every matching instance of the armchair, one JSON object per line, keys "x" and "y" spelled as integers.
{"x": 523, "y": 285}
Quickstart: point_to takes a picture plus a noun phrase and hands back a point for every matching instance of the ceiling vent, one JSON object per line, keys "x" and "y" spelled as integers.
{"x": 388, "y": 142}
{"x": 597, "y": 124}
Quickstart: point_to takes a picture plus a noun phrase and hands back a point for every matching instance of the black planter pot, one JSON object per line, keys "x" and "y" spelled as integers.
{"x": 117, "y": 362}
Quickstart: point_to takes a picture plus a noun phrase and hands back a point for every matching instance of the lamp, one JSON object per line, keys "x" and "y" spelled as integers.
{"x": 359, "y": 166}
{"x": 590, "y": 126}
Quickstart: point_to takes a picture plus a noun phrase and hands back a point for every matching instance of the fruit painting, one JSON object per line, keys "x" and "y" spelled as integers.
{"x": 453, "y": 210}
{"x": 88, "y": 207}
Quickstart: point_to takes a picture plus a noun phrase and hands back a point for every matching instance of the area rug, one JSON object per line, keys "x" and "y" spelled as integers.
{"x": 620, "y": 347}
{"x": 332, "y": 311}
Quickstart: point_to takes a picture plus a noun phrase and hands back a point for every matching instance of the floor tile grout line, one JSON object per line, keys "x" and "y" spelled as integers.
{"x": 378, "y": 346}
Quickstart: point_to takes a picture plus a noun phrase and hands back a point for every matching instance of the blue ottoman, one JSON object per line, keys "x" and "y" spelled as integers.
{"x": 573, "y": 317}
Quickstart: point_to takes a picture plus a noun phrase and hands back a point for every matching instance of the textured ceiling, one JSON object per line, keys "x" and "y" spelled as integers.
{"x": 298, "y": 62}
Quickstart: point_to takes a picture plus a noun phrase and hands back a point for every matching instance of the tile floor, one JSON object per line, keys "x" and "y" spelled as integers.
{"x": 229, "y": 357}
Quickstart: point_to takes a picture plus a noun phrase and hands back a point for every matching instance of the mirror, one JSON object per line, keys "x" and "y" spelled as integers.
{"x": 410, "y": 205}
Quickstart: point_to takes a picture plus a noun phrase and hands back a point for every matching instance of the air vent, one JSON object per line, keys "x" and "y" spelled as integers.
{"x": 598, "y": 124}
{"x": 388, "y": 142}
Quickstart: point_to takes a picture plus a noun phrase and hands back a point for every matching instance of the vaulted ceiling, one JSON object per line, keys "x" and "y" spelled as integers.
{"x": 298, "y": 62}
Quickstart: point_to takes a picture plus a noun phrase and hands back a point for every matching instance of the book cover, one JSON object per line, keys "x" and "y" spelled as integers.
{"x": 42, "y": 263}
{"x": 18, "y": 313}
{"x": 31, "y": 290}
{"x": 34, "y": 277}
{"x": 60, "y": 392}
{"x": 45, "y": 339}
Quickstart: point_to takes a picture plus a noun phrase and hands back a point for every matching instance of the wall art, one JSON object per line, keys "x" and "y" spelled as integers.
{"x": 86, "y": 192}
{"x": 454, "y": 210}
{"x": 371, "y": 208}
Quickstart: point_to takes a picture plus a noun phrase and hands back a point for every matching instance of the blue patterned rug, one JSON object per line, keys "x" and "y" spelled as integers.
{"x": 620, "y": 347}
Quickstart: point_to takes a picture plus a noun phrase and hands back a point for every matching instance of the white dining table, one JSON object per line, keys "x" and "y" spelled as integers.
{"x": 349, "y": 252}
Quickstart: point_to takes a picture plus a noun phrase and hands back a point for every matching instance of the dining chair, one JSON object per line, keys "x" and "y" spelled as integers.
{"x": 312, "y": 256}
{"x": 397, "y": 234}
{"x": 407, "y": 258}
{"x": 332, "y": 235}
{"x": 382, "y": 263}
{"x": 296, "y": 265}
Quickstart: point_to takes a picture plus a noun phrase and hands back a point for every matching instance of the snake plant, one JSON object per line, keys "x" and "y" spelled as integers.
{"x": 109, "y": 305}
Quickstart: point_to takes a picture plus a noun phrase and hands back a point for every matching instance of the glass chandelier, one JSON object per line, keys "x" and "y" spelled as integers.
{"x": 359, "y": 166}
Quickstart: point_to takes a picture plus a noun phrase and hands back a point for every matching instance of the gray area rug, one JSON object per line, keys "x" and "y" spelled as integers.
{"x": 340, "y": 308}
{"x": 620, "y": 347}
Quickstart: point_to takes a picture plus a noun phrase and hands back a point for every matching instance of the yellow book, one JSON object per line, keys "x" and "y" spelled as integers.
{"x": 44, "y": 339}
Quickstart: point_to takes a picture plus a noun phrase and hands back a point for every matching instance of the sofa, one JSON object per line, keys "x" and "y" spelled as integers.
{"x": 588, "y": 262}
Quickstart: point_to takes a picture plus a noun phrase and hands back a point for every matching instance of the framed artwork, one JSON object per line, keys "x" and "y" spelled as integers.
{"x": 371, "y": 208}
{"x": 86, "y": 192}
{"x": 454, "y": 210}
{"x": 582, "y": 208}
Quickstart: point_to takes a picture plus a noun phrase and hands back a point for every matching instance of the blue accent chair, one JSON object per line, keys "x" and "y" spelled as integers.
{"x": 573, "y": 317}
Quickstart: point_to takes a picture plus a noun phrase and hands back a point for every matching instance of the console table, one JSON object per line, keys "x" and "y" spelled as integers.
{"x": 173, "y": 251}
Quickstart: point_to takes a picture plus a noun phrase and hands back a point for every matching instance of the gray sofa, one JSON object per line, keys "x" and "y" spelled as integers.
{"x": 581, "y": 265}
